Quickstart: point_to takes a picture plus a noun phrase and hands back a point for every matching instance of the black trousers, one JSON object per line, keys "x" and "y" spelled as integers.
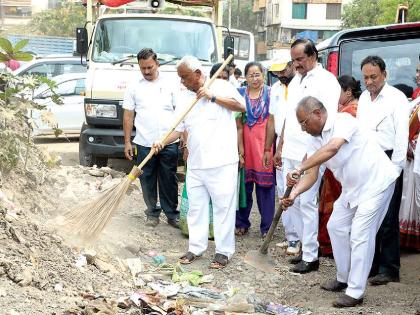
{"x": 160, "y": 172}
{"x": 387, "y": 249}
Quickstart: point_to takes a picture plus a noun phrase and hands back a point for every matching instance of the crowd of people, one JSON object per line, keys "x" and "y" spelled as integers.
{"x": 351, "y": 157}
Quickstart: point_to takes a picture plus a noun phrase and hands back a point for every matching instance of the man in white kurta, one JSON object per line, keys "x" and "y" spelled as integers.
{"x": 384, "y": 111}
{"x": 212, "y": 160}
{"x": 284, "y": 71}
{"x": 310, "y": 80}
{"x": 367, "y": 177}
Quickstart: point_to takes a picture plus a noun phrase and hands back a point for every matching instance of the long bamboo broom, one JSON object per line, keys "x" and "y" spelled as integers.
{"x": 90, "y": 219}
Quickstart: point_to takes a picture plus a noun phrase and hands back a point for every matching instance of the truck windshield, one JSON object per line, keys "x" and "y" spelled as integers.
{"x": 170, "y": 38}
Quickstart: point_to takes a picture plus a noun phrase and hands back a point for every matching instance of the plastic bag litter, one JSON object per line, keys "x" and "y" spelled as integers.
{"x": 279, "y": 309}
{"x": 201, "y": 293}
{"x": 165, "y": 288}
{"x": 193, "y": 277}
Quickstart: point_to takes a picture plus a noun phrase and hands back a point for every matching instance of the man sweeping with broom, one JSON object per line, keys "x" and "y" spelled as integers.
{"x": 212, "y": 160}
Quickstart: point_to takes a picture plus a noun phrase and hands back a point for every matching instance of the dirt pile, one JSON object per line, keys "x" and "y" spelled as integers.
{"x": 45, "y": 271}
{"x": 39, "y": 273}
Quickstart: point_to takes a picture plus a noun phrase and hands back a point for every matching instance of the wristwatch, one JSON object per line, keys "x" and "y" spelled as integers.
{"x": 213, "y": 99}
{"x": 299, "y": 170}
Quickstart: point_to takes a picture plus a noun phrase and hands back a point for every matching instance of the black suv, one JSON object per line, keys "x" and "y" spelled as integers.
{"x": 397, "y": 44}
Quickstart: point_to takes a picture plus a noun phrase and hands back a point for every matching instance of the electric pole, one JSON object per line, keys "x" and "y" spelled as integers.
{"x": 229, "y": 13}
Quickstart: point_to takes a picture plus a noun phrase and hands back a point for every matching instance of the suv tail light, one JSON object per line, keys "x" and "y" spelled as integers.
{"x": 332, "y": 62}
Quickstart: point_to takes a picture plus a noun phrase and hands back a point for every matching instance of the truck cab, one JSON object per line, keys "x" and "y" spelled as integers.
{"x": 112, "y": 65}
{"x": 397, "y": 44}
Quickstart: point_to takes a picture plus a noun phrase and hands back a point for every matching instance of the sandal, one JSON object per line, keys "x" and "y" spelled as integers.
{"x": 188, "y": 258}
{"x": 219, "y": 261}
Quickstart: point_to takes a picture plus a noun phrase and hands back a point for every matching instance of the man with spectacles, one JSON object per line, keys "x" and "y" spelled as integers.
{"x": 284, "y": 71}
{"x": 384, "y": 110}
{"x": 310, "y": 80}
{"x": 367, "y": 177}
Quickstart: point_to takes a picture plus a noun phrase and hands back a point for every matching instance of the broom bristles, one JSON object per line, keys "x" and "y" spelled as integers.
{"x": 89, "y": 220}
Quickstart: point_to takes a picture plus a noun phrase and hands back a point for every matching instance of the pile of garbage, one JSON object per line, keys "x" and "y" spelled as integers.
{"x": 169, "y": 289}
{"x": 41, "y": 272}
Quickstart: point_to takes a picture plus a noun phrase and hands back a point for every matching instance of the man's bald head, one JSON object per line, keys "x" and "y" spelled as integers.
{"x": 311, "y": 115}
{"x": 309, "y": 103}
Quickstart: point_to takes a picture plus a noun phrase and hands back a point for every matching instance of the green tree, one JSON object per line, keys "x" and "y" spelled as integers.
{"x": 178, "y": 10}
{"x": 360, "y": 13}
{"x": 62, "y": 21}
{"x": 389, "y": 10}
{"x": 242, "y": 16}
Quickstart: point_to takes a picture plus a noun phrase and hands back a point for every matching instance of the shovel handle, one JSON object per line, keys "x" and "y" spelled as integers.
{"x": 264, "y": 247}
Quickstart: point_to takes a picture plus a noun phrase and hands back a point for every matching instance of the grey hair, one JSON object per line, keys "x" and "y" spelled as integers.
{"x": 310, "y": 103}
{"x": 191, "y": 63}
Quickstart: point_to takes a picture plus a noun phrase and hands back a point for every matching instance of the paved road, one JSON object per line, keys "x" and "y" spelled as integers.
{"x": 68, "y": 149}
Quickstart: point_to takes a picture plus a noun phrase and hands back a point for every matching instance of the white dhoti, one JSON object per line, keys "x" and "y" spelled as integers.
{"x": 353, "y": 233}
{"x": 289, "y": 229}
{"x": 304, "y": 215}
{"x": 219, "y": 184}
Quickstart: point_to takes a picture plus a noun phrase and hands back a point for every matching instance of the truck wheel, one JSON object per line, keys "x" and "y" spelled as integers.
{"x": 87, "y": 159}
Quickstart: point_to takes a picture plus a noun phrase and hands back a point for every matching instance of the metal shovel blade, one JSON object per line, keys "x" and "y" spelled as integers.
{"x": 260, "y": 261}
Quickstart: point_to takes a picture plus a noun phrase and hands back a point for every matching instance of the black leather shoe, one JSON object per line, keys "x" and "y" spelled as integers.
{"x": 334, "y": 286}
{"x": 305, "y": 267}
{"x": 347, "y": 301}
{"x": 383, "y": 278}
{"x": 295, "y": 260}
{"x": 174, "y": 223}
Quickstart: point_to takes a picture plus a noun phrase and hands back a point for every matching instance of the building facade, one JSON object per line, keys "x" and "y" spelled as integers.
{"x": 282, "y": 21}
{"x": 19, "y": 12}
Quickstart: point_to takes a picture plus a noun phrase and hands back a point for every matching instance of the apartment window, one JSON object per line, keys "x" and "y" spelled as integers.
{"x": 333, "y": 11}
{"x": 299, "y": 11}
{"x": 276, "y": 10}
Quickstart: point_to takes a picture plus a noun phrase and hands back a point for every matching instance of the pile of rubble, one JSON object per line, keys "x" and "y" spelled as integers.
{"x": 42, "y": 274}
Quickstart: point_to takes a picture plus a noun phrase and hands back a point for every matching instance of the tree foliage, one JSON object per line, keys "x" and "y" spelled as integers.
{"x": 178, "y": 10}
{"x": 389, "y": 10}
{"x": 8, "y": 52}
{"x": 62, "y": 21}
{"x": 359, "y": 13}
{"x": 242, "y": 16}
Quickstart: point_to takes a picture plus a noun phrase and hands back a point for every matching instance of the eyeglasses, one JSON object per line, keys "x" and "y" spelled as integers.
{"x": 303, "y": 123}
{"x": 254, "y": 76}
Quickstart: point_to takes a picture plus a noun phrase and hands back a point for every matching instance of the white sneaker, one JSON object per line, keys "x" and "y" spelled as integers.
{"x": 294, "y": 248}
{"x": 284, "y": 244}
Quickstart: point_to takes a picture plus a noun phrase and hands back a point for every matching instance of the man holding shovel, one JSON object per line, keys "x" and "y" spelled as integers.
{"x": 367, "y": 177}
{"x": 212, "y": 160}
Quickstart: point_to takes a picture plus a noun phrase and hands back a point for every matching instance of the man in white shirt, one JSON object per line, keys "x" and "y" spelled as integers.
{"x": 384, "y": 110}
{"x": 232, "y": 77}
{"x": 151, "y": 100}
{"x": 284, "y": 71}
{"x": 310, "y": 80}
{"x": 212, "y": 160}
{"x": 367, "y": 177}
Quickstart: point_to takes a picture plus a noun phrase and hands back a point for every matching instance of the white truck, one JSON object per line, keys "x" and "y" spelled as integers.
{"x": 112, "y": 65}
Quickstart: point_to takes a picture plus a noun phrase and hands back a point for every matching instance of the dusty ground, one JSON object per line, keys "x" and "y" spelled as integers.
{"x": 38, "y": 272}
